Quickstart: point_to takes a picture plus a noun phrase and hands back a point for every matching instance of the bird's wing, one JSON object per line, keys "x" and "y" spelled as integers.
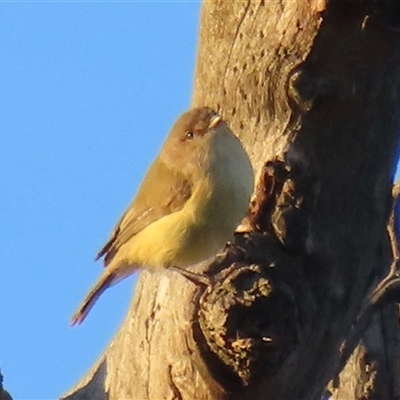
{"x": 161, "y": 193}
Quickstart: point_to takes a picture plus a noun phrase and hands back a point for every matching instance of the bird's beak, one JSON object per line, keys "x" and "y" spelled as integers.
{"x": 214, "y": 121}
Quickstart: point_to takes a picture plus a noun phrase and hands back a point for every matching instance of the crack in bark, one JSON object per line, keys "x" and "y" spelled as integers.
{"x": 234, "y": 42}
{"x": 174, "y": 388}
{"x": 149, "y": 324}
{"x": 383, "y": 292}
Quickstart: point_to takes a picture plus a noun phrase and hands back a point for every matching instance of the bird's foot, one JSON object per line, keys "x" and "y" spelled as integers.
{"x": 192, "y": 276}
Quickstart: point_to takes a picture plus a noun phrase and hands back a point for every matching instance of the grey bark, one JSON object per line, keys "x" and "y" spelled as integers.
{"x": 312, "y": 89}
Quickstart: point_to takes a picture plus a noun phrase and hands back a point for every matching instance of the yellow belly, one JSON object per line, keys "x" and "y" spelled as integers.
{"x": 196, "y": 232}
{"x": 191, "y": 235}
{"x": 180, "y": 239}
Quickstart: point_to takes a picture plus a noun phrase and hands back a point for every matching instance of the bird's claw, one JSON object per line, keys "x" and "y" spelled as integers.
{"x": 192, "y": 276}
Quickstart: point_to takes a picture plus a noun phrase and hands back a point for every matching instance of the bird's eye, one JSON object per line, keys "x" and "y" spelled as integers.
{"x": 189, "y": 135}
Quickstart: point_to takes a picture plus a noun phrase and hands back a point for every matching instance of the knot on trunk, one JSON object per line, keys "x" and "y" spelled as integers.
{"x": 249, "y": 315}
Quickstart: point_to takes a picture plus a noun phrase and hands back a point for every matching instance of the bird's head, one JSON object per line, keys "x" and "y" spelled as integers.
{"x": 190, "y": 142}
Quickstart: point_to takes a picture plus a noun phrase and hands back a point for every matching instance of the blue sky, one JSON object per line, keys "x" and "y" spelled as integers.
{"x": 88, "y": 91}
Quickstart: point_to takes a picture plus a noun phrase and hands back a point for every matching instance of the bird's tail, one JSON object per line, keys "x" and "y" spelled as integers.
{"x": 105, "y": 281}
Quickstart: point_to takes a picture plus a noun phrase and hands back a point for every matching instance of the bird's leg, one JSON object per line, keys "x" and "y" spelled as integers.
{"x": 192, "y": 276}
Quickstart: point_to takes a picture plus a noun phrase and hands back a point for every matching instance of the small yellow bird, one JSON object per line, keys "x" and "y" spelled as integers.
{"x": 192, "y": 198}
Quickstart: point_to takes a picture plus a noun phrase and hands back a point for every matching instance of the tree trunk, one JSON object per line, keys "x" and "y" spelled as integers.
{"x": 311, "y": 87}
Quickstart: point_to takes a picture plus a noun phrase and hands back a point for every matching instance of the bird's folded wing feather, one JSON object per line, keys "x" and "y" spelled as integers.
{"x": 162, "y": 192}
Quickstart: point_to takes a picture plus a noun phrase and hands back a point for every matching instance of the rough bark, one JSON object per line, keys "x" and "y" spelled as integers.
{"x": 312, "y": 89}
